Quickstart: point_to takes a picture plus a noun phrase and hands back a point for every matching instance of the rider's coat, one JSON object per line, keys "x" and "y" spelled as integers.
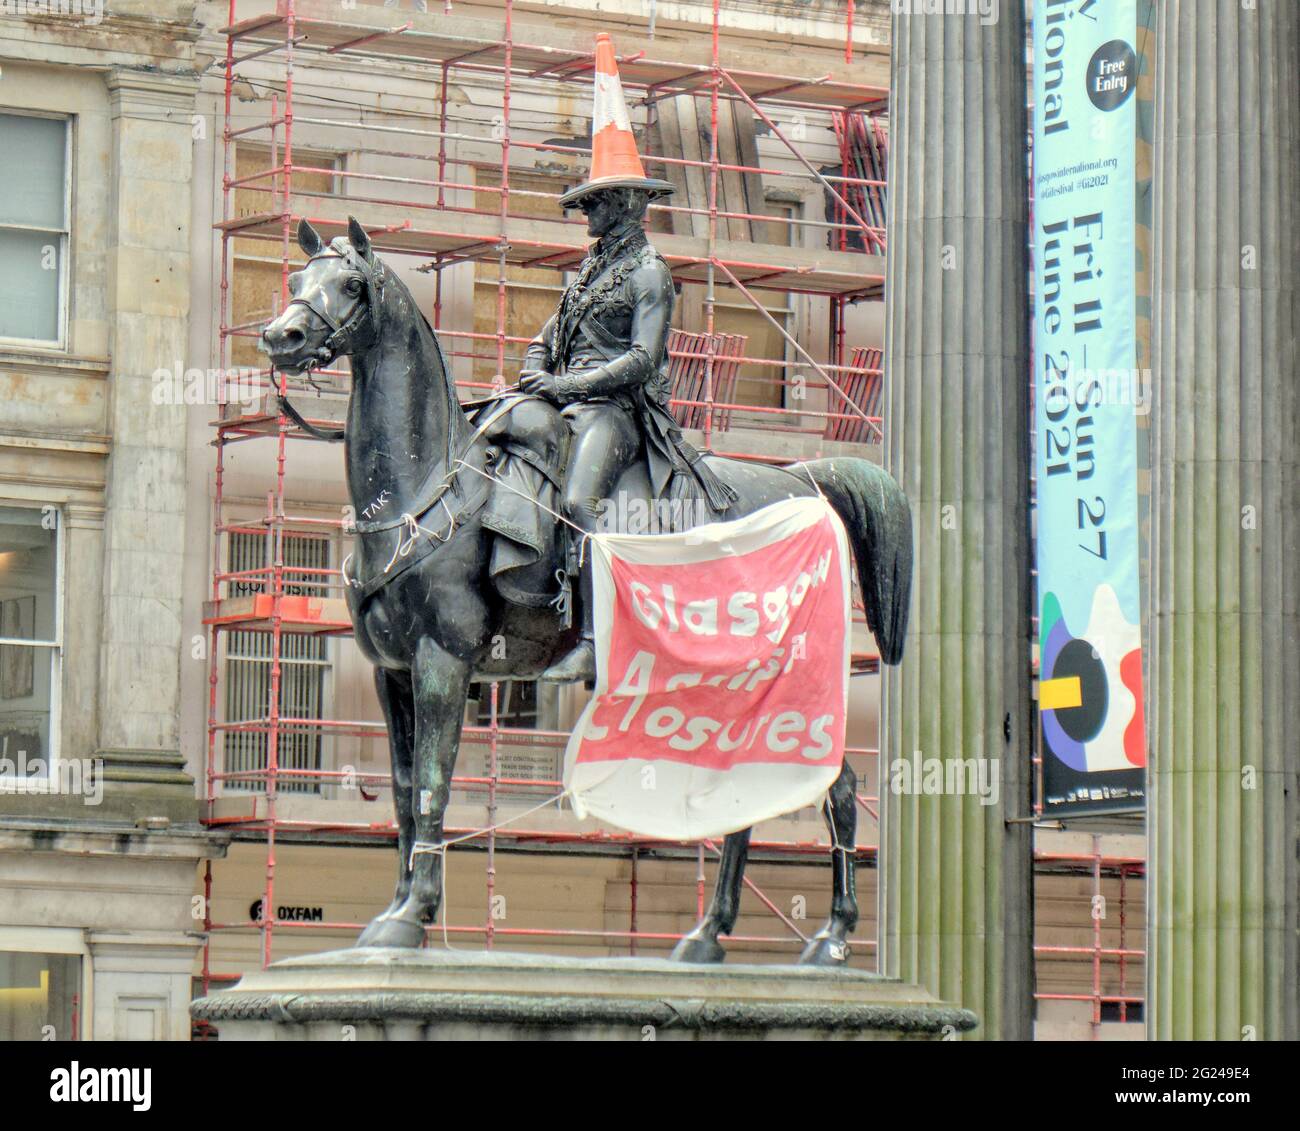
{"x": 608, "y": 342}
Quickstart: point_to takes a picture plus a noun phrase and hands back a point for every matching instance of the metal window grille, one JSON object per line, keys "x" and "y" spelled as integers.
{"x": 304, "y": 666}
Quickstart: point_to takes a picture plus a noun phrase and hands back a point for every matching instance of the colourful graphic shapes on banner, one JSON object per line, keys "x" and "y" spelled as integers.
{"x": 1090, "y": 692}
{"x": 1055, "y": 694}
{"x": 1135, "y": 737}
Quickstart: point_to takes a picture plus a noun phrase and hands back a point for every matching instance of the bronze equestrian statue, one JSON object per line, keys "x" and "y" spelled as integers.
{"x": 457, "y": 571}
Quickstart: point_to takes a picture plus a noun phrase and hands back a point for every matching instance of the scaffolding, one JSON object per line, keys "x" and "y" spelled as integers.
{"x": 279, "y": 597}
{"x": 440, "y": 220}
{"x": 1115, "y": 976}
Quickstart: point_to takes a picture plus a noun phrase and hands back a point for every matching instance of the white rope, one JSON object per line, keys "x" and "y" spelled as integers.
{"x": 816, "y": 485}
{"x": 586, "y": 534}
{"x": 408, "y": 536}
{"x": 421, "y": 847}
{"x": 424, "y": 847}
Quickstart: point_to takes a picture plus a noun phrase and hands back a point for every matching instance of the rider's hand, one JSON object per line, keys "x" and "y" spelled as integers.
{"x": 539, "y": 383}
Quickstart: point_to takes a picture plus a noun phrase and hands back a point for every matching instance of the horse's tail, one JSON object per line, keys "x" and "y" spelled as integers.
{"x": 878, "y": 519}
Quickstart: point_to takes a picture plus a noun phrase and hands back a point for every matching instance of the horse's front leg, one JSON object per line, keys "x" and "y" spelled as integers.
{"x": 830, "y": 945}
{"x": 702, "y": 945}
{"x": 439, "y": 683}
{"x": 394, "y": 691}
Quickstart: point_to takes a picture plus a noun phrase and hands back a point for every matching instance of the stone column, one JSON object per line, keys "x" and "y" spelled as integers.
{"x": 956, "y": 911}
{"x": 1225, "y": 639}
{"x": 83, "y": 534}
{"x": 144, "y": 530}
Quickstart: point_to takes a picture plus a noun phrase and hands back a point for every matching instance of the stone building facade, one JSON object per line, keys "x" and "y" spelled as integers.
{"x": 99, "y": 829}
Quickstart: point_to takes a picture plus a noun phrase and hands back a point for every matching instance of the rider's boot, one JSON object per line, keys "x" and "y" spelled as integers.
{"x": 580, "y": 662}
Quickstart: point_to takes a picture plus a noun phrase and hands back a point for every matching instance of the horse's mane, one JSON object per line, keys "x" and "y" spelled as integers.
{"x": 391, "y": 278}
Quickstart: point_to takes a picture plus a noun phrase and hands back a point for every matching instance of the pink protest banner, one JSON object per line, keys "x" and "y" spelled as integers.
{"x": 723, "y": 665}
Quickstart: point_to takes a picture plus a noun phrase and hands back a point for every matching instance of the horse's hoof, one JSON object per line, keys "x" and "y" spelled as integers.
{"x": 825, "y": 950}
{"x": 579, "y": 664}
{"x": 698, "y": 948}
{"x": 397, "y": 933}
{"x": 387, "y": 913}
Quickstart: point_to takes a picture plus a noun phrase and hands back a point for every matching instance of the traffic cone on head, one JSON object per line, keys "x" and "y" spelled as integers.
{"x": 615, "y": 162}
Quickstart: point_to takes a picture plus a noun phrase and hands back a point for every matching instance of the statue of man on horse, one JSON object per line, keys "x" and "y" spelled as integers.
{"x": 454, "y": 566}
{"x": 603, "y": 355}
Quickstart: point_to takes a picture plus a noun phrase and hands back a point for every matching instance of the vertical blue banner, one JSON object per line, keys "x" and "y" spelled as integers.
{"x": 1086, "y": 393}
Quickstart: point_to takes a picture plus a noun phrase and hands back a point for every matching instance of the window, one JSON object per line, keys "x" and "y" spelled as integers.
{"x": 304, "y": 665}
{"x": 40, "y": 996}
{"x": 521, "y": 706}
{"x": 29, "y": 640}
{"x": 34, "y": 210}
{"x": 760, "y": 382}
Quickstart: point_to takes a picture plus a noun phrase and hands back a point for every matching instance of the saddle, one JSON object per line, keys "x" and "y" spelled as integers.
{"x": 529, "y": 442}
{"x": 527, "y": 453}
{"x": 528, "y": 448}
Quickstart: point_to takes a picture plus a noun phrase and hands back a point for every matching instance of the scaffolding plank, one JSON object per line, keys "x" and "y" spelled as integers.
{"x": 731, "y": 185}
{"x": 668, "y": 137}
{"x": 297, "y": 614}
{"x": 671, "y": 58}
{"x": 433, "y": 232}
{"x": 760, "y": 231}
{"x": 697, "y": 179}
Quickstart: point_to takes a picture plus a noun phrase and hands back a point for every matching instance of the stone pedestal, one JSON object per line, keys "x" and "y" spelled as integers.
{"x": 438, "y": 994}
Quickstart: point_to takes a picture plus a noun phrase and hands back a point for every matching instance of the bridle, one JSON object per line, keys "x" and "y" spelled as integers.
{"x": 346, "y": 333}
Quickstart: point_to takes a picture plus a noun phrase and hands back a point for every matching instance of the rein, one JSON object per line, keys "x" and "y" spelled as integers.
{"x": 330, "y": 435}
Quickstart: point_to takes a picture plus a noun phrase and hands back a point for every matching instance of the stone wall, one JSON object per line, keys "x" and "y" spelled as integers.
{"x": 81, "y": 432}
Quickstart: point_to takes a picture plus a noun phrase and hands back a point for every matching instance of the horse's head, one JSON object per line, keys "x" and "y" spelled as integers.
{"x": 334, "y": 305}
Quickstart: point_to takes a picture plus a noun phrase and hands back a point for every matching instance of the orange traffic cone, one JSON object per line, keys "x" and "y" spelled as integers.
{"x": 614, "y": 159}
